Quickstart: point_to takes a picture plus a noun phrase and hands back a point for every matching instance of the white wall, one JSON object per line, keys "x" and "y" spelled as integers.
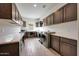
{"x": 29, "y": 21}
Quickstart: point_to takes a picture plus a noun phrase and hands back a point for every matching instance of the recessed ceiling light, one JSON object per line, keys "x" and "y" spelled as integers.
{"x": 35, "y": 5}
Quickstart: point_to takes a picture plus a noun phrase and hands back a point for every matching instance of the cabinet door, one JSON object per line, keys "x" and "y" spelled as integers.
{"x": 48, "y": 20}
{"x": 24, "y": 23}
{"x": 16, "y": 14}
{"x": 55, "y": 43}
{"x": 10, "y": 49}
{"x": 5, "y": 10}
{"x": 36, "y": 24}
{"x": 41, "y": 23}
{"x": 13, "y": 12}
{"x": 51, "y": 19}
{"x": 44, "y": 22}
{"x": 70, "y": 12}
{"x": 67, "y": 49}
{"x": 58, "y": 16}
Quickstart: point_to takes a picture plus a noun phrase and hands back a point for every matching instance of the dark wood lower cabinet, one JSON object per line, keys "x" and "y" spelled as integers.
{"x": 67, "y": 49}
{"x": 55, "y": 43}
{"x": 10, "y": 49}
{"x": 64, "y": 46}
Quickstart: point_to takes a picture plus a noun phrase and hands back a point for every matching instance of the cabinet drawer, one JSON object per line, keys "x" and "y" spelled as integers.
{"x": 69, "y": 41}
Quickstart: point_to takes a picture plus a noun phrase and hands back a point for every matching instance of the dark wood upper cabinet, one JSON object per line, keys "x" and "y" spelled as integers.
{"x": 70, "y": 12}
{"x": 48, "y": 20}
{"x": 16, "y": 12}
{"x": 24, "y": 23}
{"x": 51, "y": 19}
{"x": 65, "y": 14}
{"x": 55, "y": 43}
{"x": 44, "y": 22}
{"x": 58, "y": 16}
{"x": 13, "y": 12}
{"x": 18, "y": 18}
{"x": 39, "y": 24}
{"x": 5, "y": 10}
{"x": 9, "y": 11}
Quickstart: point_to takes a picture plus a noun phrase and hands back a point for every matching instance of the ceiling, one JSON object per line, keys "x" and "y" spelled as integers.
{"x": 28, "y": 10}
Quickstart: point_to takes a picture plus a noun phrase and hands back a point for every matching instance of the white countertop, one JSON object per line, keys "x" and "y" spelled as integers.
{"x": 74, "y": 37}
{"x": 11, "y": 38}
